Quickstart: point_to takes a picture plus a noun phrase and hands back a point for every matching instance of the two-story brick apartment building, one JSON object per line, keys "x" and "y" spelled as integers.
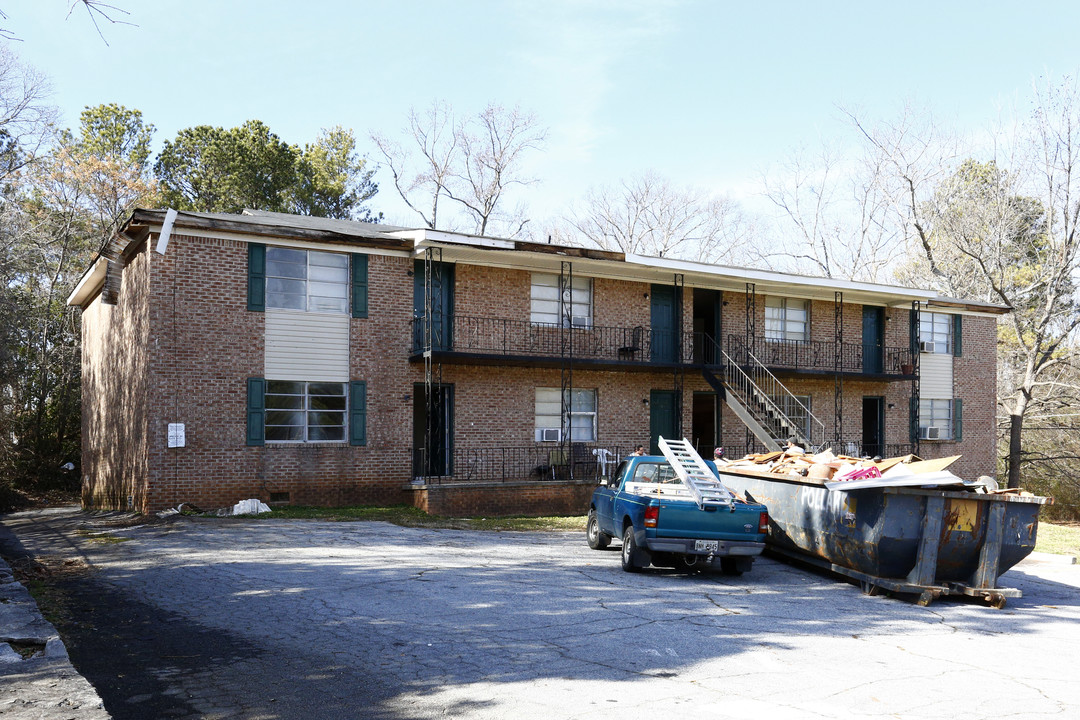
{"x": 317, "y": 361}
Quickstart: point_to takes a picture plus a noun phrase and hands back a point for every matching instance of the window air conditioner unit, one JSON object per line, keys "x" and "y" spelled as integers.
{"x": 580, "y": 321}
{"x": 550, "y": 435}
{"x": 927, "y": 346}
{"x": 930, "y": 433}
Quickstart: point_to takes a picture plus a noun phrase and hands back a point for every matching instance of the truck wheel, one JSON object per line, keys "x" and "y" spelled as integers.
{"x": 597, "y": 539}
{"x": 629, "y": 549}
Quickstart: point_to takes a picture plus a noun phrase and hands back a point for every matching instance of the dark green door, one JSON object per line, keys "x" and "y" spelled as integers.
{"x": 664, "y": 332}
{"x": 873, "y": 338}
{"x": 873, "y": 426}
{"x": 434, "y": 457}
{"x": 442, "y": 306}
{"x": 661, "y": 418}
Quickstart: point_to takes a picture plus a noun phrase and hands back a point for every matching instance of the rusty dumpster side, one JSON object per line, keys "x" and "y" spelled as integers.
{"x": 921, "y": 540}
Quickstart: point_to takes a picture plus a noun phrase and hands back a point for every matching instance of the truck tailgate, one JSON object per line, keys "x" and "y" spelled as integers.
{"x": 684, "y": 519}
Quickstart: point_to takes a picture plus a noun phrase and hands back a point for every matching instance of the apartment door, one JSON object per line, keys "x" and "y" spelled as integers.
{"x": 706, "y": 327}
{"x": 434, "y": 455}
{"x": 873, "y": 338}
{"x": 664, "y": 331}
{"x": 442, "y": 305}
{"x": 703, "y": 423}
{"x": 873, "y": 431}
{"x": 662, "y": 417}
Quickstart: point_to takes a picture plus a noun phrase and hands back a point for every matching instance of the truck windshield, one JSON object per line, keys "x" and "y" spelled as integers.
{"x": 648, "y": 472}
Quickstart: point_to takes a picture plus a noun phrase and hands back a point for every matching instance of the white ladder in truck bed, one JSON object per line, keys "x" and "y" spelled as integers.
{"x": 695, "y": 474}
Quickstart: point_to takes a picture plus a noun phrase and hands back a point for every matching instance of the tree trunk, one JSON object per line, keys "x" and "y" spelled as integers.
{"x": 1016, "y": 426}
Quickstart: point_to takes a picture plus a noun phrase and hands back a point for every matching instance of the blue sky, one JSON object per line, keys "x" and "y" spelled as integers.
{"x": 706, "y": 93}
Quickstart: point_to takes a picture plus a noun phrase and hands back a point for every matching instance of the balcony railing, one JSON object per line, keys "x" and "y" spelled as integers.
{"x": 522, "y": 338}
{"x": 541, "y": 462}
{"x": 501, "y": 337}
{"x": 822, "y": 355}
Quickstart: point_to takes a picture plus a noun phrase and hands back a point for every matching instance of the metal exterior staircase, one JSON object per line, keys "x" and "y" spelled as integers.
{"x": 754, "y": 394}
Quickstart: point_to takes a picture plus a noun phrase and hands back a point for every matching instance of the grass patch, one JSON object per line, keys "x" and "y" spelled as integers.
{"x": 408, "y": 516}
{"x": 1059, "y": 538}
{"x": 101, "y": 538}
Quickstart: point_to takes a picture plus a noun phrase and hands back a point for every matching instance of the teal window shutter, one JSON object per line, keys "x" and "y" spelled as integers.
{"x": 957, "y": 419}
{"x": 358, "y": 412}
{"x": 359, "y": 266}
{"x": 957, "y": 334}
{"x": 256, "y": 299}
{"x": 256, "y": 411}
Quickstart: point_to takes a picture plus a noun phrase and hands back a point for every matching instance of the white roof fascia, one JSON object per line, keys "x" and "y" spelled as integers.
{"x": 425, "y": 237}
{"x": 643, "y": 268}
{"x": 342, "y": 246}
{"x": 903, "y": 294}
{"x": 531, "y": 261}
{"x": 91, "y": 282}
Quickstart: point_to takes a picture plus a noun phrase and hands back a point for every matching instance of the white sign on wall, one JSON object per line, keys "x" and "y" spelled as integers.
{"x": 176, "y": 435}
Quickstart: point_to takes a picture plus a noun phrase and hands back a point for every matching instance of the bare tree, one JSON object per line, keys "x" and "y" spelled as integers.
{"x": 472, "y": 162}
{"x": 648, "y": 215}
{"x": 96, "y": 10}
{"x": 421, "y": 166}
{"x": 905, "y": 160}
{"x": 1007, "y": 232}
{"x": 25, "y": 114}
{"x": 1044, "y": 297}
{"x": 491, "y": 150}
{"x": 855, "y": 217}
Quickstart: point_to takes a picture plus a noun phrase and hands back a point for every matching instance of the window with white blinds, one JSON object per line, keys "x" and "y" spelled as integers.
{"x": 551, "y": 302}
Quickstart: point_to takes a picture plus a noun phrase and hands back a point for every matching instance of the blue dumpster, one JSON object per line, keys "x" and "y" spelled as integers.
{"x": 931, "y": 542}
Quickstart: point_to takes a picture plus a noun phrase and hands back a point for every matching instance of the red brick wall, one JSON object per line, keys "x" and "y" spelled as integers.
{"x": 115, "y": 392}
{"x": 975, "y": 381}
{"x": 534, "y": 499}
{"x": 206, "y": 346}
{"x": 189, "y": 344}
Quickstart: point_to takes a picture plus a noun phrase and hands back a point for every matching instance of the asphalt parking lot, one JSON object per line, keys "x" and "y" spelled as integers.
{"x": 303, "y": 619}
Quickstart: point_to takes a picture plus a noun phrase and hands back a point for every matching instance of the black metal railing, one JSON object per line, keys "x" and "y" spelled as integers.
{"x": 540, "y": 462}
{"x": 822, "y": 355}
{"x": 641, "y": 344}
{"x": 853, "y": 446}
{"x": 522, "y": 338}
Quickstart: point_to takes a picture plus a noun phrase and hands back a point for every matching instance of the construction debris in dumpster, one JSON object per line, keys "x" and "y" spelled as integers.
{"x": 842, "y": 472}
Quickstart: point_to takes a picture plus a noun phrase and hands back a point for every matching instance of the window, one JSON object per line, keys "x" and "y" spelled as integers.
{"x": 786, "y": 319}
{"x": 550, "y": 424}
{"x": 550, "y": 307}
{"x": 935, "y": 333}
{"x": 305, "y": 411}
{"x": 307, "y": 280}
{"x": 935, "y": 419}
{"x": 656, "y": 473}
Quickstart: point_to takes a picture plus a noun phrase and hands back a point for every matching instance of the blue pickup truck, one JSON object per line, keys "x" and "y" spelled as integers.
{"x": 651, "y": 509}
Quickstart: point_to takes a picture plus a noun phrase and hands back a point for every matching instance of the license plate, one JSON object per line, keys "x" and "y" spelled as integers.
{"x": 706, "y": 545}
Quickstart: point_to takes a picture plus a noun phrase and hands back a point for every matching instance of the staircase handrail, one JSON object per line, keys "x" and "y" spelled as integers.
{"x": 817, "y": 431}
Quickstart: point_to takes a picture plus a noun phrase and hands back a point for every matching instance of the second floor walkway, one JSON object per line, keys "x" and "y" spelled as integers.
{"x": 465, "y": 339}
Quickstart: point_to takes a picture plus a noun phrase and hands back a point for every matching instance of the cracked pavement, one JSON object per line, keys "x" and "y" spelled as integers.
{"x": 294, "y": 619}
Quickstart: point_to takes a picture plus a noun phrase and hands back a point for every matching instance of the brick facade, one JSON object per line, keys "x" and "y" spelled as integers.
{"x": 180, "y": 345}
